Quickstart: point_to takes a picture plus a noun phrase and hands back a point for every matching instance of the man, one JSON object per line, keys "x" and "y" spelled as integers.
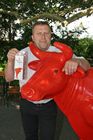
{"x": 40, "y": 114}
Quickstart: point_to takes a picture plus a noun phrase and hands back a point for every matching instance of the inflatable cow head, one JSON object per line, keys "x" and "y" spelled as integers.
{"x": 49, "y": 78}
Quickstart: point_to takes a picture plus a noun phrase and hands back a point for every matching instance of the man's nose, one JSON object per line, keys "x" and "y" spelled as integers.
{"x": 43, "y": 35}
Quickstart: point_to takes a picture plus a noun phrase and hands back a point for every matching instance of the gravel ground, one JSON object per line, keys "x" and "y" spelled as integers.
{"x": 11, "y": 127}
{"x": 10, "y": 124}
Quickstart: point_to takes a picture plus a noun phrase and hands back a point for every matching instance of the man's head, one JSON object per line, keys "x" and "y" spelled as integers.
{"x": 41, "y": 35}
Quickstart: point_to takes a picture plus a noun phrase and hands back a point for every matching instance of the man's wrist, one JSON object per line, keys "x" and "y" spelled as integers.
{"x": 10, "y": 62}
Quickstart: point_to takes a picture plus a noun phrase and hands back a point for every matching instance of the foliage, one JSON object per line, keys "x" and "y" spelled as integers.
{"x": 85, "y": 47}
{"x": 27, "y": 11}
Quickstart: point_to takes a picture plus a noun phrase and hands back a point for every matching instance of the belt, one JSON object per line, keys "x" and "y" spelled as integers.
{"x": 43, "y": 104}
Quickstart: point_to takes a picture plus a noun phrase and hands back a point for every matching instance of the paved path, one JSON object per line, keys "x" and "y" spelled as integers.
{"x": 11, "y": 127}
{"x": 10, "y": 124}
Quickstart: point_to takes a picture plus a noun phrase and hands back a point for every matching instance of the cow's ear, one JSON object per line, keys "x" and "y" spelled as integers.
{"x": 35, "y": 65}
{"x": 79, "y": 73}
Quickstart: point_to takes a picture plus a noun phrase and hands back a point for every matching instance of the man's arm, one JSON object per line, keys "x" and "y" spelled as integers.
{"x": 82, "y": 62}
{"x": 9, "y": 69}
{"x": 72, "y": 65}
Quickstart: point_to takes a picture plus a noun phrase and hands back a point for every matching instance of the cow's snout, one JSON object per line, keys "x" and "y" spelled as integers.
{"x": 33, "y": 95}
{"x": 32, "y": 92}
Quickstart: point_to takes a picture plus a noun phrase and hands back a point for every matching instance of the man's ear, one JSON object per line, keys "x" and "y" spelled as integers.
{"x": 32, "y": 38}
{"x": 35, "y": 65}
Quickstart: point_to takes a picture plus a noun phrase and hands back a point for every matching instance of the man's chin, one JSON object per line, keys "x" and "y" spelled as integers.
{"x": 44, "y": 48}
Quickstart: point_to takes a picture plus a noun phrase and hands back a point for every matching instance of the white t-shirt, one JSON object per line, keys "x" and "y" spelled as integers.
{"x": 30, "y": 72}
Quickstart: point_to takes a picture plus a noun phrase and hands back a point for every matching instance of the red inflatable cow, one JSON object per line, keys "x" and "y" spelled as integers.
{"x": 73, "y": 94}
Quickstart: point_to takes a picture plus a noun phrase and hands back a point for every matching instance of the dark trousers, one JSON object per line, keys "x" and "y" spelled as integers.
{"x": 39, "y": 120}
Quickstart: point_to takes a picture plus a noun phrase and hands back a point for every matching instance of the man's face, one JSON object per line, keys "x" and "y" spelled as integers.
{"x": 42, "y": 36}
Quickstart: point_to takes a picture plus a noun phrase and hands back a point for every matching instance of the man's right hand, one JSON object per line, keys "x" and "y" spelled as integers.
{"x": 11, "y": 55}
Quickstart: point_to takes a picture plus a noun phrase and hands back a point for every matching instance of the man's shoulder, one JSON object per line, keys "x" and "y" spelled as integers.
{"x": 25, "y": 49}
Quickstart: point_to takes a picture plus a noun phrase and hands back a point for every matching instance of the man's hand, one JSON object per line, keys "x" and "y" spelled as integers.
{"x": 71, "y": 66}
{"x": 11, "y": 55}
{"x": 9, "y": 69}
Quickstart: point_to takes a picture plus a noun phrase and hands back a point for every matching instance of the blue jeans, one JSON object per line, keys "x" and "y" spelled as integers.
{"x": 39, "y": 120}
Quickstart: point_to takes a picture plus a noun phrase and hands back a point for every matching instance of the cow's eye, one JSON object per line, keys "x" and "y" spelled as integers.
{"x": 56, "y": 71}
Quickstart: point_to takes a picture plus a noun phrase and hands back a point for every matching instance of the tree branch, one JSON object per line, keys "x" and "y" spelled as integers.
{"x": 56, "y": 17}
